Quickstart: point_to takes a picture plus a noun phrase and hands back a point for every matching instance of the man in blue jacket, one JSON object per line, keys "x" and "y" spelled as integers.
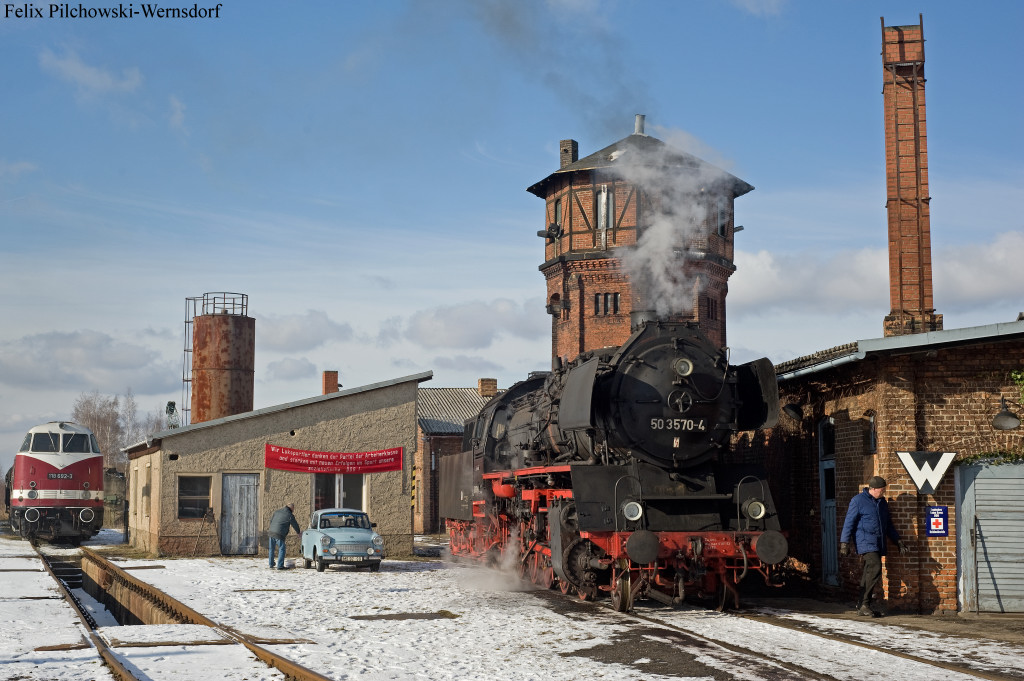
{"x": 868, "y": 524}
{"x": 280, "y": 523}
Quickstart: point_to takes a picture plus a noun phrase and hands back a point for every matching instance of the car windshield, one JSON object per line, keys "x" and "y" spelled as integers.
{"x": 328, "y": 520}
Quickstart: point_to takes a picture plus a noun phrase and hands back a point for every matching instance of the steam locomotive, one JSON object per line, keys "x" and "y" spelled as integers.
{"x": 602, "y": 476}
{"x": 54, "y": 490}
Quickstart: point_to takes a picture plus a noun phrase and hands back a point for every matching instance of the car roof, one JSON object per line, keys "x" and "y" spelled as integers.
{"x": 340, "y": 510}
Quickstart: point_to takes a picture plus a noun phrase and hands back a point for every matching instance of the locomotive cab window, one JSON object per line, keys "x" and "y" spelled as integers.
{"x": 46, "y": 442}
{"x": 77, "y": 443}
{"x": 193, "y": 496}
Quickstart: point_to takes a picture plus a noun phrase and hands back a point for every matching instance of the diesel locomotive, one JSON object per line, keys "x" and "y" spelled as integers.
{"x": 54, "y": 490}
{"x": 604, "y": 476}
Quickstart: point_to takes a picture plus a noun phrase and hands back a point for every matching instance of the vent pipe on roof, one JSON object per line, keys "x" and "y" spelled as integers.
{"x": 638, "y": 126}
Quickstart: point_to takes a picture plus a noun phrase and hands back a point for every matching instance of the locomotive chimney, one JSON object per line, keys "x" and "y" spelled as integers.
{"x": 638, "y": 124}
{"x": 639, "y": 317}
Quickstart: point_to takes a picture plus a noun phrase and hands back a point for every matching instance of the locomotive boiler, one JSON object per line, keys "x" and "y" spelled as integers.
{"x": 54, "y": 490}
{"x": 604, "y": 476}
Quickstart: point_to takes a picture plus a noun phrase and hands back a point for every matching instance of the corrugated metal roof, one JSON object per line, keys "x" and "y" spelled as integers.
{"x": 444, "y": 411}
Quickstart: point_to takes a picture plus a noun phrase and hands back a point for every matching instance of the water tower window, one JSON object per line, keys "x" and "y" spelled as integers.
{"x": 558, "y": 212}
{"x": 722, "y": 215}
{"x": 606, "y": 303}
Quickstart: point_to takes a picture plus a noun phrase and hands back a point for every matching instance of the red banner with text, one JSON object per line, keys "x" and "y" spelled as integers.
{"x": 286, "y": 459}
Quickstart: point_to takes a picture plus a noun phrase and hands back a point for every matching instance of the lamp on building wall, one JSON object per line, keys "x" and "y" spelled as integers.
{"x": 1005, "y": 419}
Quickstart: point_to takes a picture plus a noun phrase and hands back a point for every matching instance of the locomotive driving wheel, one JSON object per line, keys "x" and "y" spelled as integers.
{"x": 622, "y": 595}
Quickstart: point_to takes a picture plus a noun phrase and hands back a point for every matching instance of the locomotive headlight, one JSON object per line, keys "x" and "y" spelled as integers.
{"x": 682, "y": 366}
{"x": 632, "y": 510}
{"x": 32, "y": 484}
{"x": 754, "y": 509}
{"x": 32, "y": 494}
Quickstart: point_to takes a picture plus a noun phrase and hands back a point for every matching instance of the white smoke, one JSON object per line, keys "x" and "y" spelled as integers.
{"x": 677, "y": 189}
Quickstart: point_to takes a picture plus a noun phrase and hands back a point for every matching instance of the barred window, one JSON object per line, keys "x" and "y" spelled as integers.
{"x": 193, "y": 496}
{"x": 606, "y": 303}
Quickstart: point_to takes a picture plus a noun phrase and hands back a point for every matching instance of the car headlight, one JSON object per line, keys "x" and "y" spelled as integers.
{"x": 378, "y": 540}
{"x": 370, "y": 550}
{"x": 325, "y": 541}
{"x": 334, "y": 550}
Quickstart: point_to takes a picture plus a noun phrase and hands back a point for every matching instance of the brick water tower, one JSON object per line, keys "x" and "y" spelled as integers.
{"x": 638, "y": 228}
{"x": 220, "y": 355}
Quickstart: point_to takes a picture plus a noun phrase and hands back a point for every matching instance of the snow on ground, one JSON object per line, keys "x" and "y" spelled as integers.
{"x": 438, "y": 620}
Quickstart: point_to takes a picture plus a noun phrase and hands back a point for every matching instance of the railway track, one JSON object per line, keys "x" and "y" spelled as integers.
{"x": 943, "y": 669}
{"x": 161, "y": 607}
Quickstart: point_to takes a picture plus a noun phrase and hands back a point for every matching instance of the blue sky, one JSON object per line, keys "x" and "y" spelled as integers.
{"x": 359, "y": 170}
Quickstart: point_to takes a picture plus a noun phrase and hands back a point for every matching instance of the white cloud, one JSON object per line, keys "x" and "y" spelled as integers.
{"x": 299, "y": 332}
{"x": 464, "y": 363}
{"x": 177, "y": 115}
{"x": 762, "y": 7}
{"x": 475, "y": 324}
{"x": 15, "y": 169}
{"x": 980, "y": 274}
{"x": 290, "y": 369}
{"x": 794, "y": 281}
{"x": 84, "y": 360}
{"x": 89, "y": 79}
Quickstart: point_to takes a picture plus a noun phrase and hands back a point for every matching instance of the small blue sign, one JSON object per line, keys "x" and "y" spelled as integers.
{"x": 937, "y": 521}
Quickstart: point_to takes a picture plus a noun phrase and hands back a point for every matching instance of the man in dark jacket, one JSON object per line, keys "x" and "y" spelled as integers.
{"x": 280, "y": 523}
{"x": 868, "y": 524}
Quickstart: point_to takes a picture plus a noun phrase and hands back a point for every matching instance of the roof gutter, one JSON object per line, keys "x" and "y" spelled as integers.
{"x": 838, "y": 361}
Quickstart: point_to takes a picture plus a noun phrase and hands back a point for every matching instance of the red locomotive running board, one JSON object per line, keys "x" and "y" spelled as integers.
{"x": 302, "y": 461}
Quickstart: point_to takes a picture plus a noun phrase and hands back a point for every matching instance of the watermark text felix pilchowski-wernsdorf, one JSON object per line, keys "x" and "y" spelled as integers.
{"x": 144, "y": 10}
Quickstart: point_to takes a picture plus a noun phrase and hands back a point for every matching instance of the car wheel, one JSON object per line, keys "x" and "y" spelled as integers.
{"x": 320, "y": 564}
{"x": 306, "y": 563}
{"x": 374, "y": 567}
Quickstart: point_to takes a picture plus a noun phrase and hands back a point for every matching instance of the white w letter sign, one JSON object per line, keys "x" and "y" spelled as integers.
{"x": 926, "y": 468}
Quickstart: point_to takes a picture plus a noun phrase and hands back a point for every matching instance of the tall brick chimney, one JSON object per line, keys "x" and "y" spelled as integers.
{"x": 330, "y": 382}
{"x": 906, "y": 174}
{"x": 487, "y": 387}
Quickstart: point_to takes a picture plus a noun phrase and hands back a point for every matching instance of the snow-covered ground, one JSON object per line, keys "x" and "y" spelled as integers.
{"x": 437, "y": 620}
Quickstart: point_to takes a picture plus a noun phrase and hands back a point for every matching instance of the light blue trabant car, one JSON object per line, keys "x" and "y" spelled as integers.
{"x": 341, "y": 535}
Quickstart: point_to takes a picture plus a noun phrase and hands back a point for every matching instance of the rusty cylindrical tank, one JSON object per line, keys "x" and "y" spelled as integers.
{"x": 223, "y": 362}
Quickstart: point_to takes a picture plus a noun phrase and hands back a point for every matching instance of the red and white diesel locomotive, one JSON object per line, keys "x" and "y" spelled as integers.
{"x": 55, "y": 488}
{"x": 605, "y": 476}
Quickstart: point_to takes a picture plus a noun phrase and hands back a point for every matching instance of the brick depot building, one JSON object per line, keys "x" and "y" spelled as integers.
{"x": 851, "y": 410}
